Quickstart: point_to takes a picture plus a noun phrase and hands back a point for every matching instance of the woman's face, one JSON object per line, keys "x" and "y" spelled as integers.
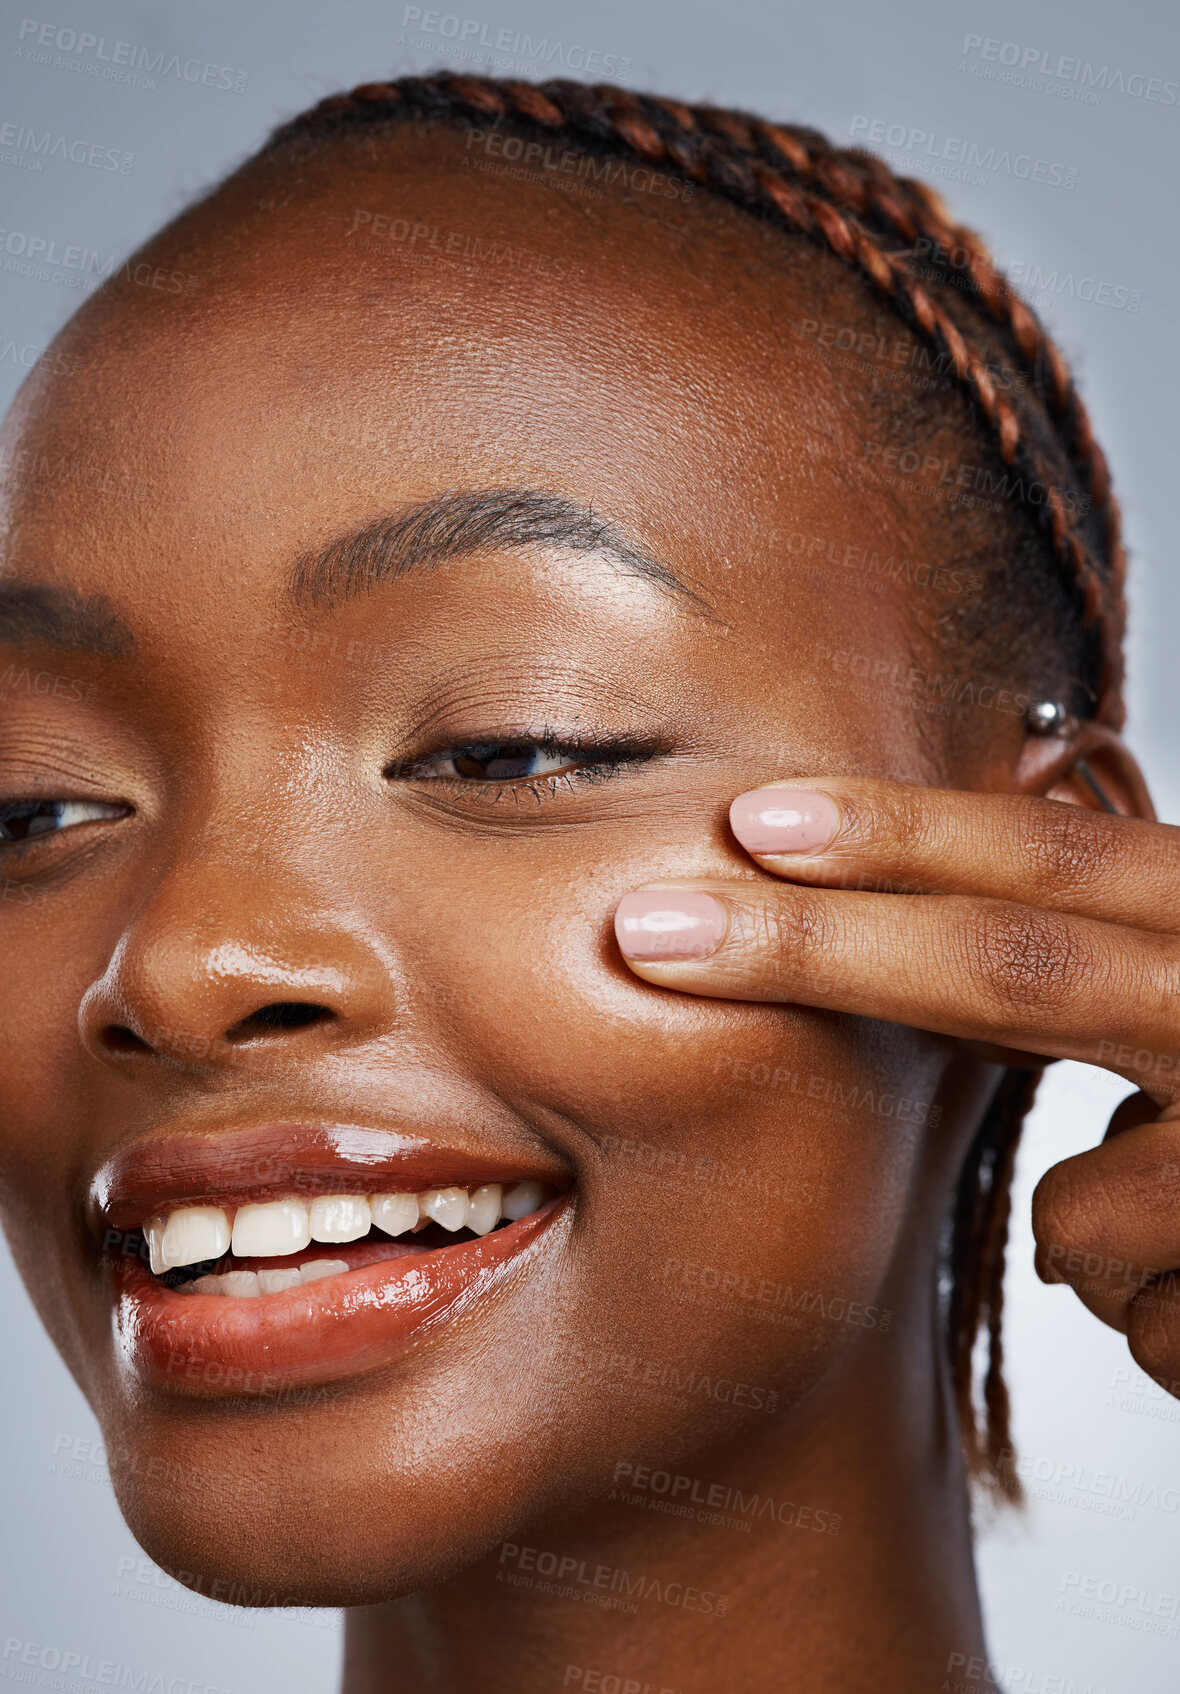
{"x": 281, "y": 796}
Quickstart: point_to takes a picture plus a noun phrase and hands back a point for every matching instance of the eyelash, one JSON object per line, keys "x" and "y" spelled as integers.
{"x": 37, "y": 841}
{"x": 600, "y": 761}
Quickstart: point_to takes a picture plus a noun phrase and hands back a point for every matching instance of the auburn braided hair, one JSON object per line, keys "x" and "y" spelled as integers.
{"x": 850, "y": 204}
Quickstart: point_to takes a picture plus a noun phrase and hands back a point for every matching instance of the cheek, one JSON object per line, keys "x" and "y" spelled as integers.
{"x": 752, "y": 1165}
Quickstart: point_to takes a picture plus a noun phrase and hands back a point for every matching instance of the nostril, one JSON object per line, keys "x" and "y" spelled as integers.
{"x": 116, "y": 1038}
{"x": 282, "y": 1014}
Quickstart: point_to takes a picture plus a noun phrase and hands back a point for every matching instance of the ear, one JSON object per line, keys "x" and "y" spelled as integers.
{"x": 1068, "y": 766}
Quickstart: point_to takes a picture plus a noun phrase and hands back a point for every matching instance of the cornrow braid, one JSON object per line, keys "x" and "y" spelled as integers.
{"x": 850, "y": 204}
{"x": 844, "y": 200}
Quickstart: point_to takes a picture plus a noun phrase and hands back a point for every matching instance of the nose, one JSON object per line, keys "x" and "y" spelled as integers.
{"x": 220, "y": 957}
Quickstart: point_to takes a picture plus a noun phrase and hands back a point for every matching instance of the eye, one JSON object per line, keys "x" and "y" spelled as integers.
{"x": 498, "y": 761}
{"x": 509, "y": 767}
{"x": 26, "y": 820}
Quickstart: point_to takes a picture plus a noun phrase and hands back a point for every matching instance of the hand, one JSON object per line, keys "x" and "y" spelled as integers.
{"x": 1056, "y": 936}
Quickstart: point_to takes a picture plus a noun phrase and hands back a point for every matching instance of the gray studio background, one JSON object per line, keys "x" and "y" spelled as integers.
{"x": 1101, "y": 1446}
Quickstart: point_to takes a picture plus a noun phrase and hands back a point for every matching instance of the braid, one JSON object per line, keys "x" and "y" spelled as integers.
{"x": 979, "y": 1235}
{"x": 849, "y": 203}
{"x": 845, "y": 201}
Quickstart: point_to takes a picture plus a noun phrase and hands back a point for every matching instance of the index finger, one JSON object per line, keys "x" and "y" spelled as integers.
{"x": 894, "y": 837}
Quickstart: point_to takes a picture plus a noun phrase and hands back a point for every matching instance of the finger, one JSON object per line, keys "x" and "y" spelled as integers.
{"x": 1128, "y": 1115}
{"x": 1136, "y": 1109}
{"x": 904, "y": 838}
{"x": 980, "y": 970}
{"x": 1153, "y": 1332}
{"x": 1107, "y": 1221}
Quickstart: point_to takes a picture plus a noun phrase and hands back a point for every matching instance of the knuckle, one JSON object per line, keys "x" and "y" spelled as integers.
{"x": 887, "y": 821}
{"x": 1064, "y": 1215}
{"x": 1068, "y": 849}
{"x": 1023, "y": 958}
{"x": 1153, "y": 1335}
{"x": 792, "y": 933}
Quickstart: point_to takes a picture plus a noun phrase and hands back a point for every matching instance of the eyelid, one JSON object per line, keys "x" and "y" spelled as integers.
{"x": 108, "y": 811}
{"x": 587, "y": 746}
{"x": 594, "y": 758}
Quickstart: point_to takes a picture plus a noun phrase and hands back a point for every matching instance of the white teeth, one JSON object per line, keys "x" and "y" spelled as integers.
{"x": 316, "y": 1268}
{"x": 154, "y": 1230}
{"x": 394, "y": 1213}
{"x": 447, "y": 1206}
{"x": 523, "y": 1199}
{"x": 248, "y": 1285}
{"x": 271, "y": 1229}
{"x": 340, "y": 1217}
{"x": 193, "y": 1233}
{"x": 276, "y": 1228}
{"x": 483, "y": 1208}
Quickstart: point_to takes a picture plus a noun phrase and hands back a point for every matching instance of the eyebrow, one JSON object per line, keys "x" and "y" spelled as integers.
{"x": 33, "y": 614}
{"x": 461, "y": 522}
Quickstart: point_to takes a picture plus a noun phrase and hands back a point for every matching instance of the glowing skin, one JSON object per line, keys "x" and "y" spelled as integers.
{"x": 455, "y": 953}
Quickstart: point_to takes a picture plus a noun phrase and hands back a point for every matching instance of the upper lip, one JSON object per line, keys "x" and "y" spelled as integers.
{"x": 276, "y": 1161}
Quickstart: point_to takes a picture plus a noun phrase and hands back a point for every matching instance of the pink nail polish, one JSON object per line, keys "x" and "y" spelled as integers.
{"x": 783, "y": 820}
{"x": 669, "y": 923}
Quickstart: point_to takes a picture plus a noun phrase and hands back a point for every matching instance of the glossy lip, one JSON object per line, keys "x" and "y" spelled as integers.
{"x": 210, "y": 1346}
{"x": 216, "y": 1347}
{"x": 278, "y": 1161}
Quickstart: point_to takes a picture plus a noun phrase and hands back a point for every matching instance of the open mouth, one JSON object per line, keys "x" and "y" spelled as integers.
{"x": 272, "y": 1246}
{"x": 260, "y": 1261}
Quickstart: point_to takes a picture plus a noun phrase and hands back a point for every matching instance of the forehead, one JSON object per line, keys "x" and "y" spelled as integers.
{"x": 376, "y": 322}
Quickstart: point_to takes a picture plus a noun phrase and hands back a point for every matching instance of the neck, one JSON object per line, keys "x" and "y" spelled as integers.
{"x": 828, "y": 1551}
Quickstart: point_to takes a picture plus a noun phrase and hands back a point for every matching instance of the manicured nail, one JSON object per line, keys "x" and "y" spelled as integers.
{"x": 669, "y": 923}
{"x": 783, "y": 820}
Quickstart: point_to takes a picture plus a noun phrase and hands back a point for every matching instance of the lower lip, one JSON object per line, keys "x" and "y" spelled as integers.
{"x": 211, "y": 1346}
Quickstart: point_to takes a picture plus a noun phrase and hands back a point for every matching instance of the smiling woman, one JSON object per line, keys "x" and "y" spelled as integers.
{"x": 489, "y": 1105}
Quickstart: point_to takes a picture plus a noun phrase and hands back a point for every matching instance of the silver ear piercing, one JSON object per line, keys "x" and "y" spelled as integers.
{"x": 1046, "y": 717}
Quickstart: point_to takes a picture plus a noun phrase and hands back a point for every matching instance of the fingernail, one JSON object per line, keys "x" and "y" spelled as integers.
{"x": 784, "y": 820}
{"x": 669, "y": 923}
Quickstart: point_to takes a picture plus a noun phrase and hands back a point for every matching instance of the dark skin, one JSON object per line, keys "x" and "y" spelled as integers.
{"x": 461, "y": 944}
